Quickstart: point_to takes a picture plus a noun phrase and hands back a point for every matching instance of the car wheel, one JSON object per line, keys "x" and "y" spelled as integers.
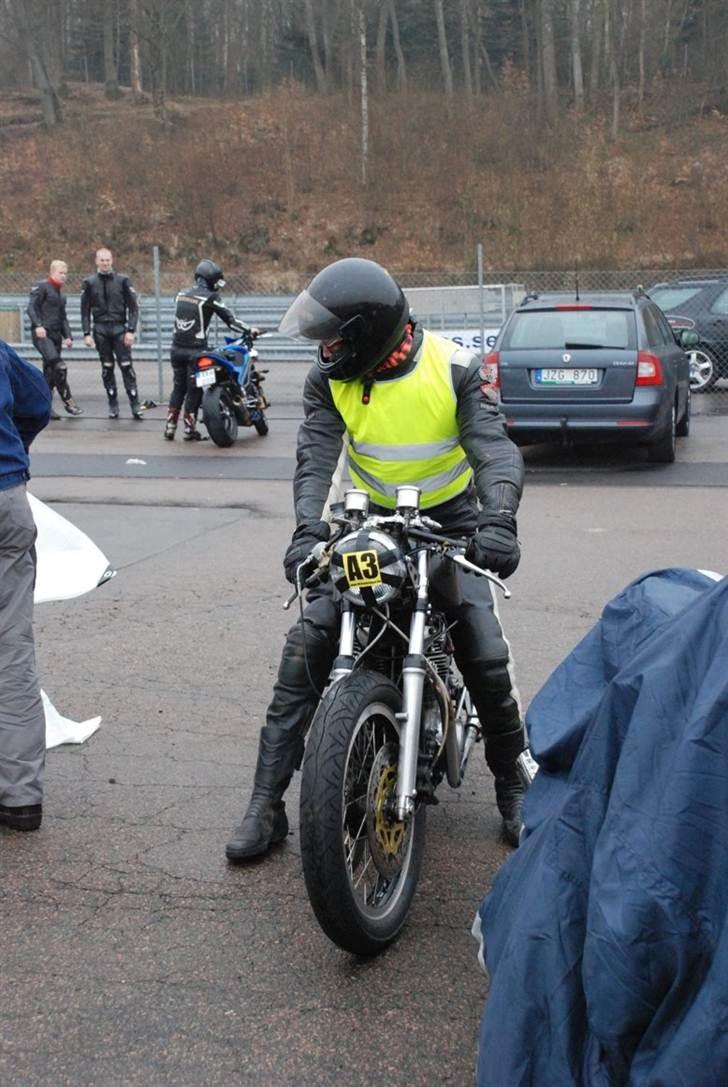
{"x": 683, "y": 427}
{"x": 703, "y": 370}
{"x": 662, "y": 450}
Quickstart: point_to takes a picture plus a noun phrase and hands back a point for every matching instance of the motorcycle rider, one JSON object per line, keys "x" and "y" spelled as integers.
{"x": 50, "y": 332}
{"x": 194, "y": 309}
{"x": 109, "y": 299}
{"x": 414, "y": 408}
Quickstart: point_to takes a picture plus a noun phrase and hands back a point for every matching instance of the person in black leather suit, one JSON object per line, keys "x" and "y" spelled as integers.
{"x": 109, "y": 314}
{"x": 368, "y": 339}
{"x": 50, "y": 332}
{"x": 195, "y": 308}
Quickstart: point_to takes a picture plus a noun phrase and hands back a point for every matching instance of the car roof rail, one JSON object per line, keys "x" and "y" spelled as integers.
{"x": 532, "y": 296}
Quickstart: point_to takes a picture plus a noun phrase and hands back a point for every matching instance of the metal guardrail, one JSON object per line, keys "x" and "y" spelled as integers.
{"x": 446, "y": 309}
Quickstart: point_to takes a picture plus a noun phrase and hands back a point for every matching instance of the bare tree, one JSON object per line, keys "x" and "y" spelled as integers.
{"x": 39, "y": 45}
{"x": 364, "y": 94}
{"x": 111, "y": 73}
{"x": 444, "y": 52}
{"x": 313, "y": 46}
{"x": 548, "y": 61}
{"x": 465, "y": 35}
{"x": 577, "y": 71}
{"x": 401, "y": 66}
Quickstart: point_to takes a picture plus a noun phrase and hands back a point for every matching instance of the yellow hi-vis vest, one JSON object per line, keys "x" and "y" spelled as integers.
{"x": 408, "y": 432}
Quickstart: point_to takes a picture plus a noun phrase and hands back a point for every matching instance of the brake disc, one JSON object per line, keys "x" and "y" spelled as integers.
{"x": 388, "y": 838}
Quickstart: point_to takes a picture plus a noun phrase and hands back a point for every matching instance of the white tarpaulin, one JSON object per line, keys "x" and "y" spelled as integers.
{"x": 69, "y": 565}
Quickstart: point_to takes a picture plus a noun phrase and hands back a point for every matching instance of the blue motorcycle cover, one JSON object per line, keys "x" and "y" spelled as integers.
{"x": 605, "y": 934}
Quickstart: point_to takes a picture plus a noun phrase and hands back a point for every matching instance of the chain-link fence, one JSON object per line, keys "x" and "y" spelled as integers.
{"x": 451, "y": 301}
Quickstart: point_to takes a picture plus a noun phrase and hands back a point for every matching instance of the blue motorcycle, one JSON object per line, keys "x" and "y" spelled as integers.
{"x": 232, "y": 393}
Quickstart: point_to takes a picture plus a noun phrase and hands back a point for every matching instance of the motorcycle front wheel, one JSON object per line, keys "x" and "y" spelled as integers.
{"x": 261, "y": 424}
{"x": 219, "y": 417}
{"x": 360, "y": 865}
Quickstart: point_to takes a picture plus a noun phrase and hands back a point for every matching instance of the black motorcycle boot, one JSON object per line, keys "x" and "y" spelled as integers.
{"x": 170, "y": 427}
{"x": 511, "y": 782}
{"x": 72, "y": 407}
{"x": 191, "y": 433}
{"x": 265, "y": 821}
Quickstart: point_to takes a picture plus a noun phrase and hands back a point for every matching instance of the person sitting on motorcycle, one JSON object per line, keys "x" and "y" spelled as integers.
{"x": 470, "y": 474}
{"x": 194, "y": 309}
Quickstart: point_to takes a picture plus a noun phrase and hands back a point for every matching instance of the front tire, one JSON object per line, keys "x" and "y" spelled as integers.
{"x": 219, "y": 417}
{"x": 703, "y": 370}
{"x": 261, "y": 424}
{"x": 360, "y": 866}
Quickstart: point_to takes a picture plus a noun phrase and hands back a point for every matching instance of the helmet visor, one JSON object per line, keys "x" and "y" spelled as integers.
{"x": 307, "y": 318}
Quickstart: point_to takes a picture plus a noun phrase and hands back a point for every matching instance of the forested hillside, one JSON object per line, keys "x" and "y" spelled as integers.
{"x": 277, "y": 134}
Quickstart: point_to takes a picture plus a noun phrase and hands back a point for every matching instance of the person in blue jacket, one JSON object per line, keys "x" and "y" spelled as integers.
{"x": 25, "y": 406}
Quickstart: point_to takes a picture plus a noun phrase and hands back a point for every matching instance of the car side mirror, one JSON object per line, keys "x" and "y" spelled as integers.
{"x": 688, "y": 338}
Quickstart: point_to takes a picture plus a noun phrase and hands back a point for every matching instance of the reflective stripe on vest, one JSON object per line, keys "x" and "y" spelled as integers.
{"x": 408, "y": 432}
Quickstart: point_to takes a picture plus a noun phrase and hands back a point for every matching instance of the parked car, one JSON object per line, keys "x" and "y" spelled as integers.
{"x": 700, "y": 304}
{"x": 593, "y": 367}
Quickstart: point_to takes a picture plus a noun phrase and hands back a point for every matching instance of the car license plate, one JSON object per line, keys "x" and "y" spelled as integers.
{"x": 567, "y": 377}
{"x": 205, "y": 377}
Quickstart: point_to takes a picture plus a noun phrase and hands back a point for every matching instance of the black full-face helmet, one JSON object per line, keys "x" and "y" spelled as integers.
{"x": 356, "y": 311}
{"x": 210, "y": 274}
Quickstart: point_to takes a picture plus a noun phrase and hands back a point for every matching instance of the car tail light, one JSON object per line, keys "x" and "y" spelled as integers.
{"x": 205, "y": 362}
{"x": 649, "y": 369}
{"x": 490, "y": 370}
{"x": 681, "y": 322}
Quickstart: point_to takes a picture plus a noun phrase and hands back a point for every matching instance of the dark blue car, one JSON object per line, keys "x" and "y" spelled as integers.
{"x": 593, "y": 367}
{"x": 699, "y": 303}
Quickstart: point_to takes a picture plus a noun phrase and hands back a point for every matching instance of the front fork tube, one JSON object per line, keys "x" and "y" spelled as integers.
{"x": 344, "y": 663}
{"x": 413, "y": 682}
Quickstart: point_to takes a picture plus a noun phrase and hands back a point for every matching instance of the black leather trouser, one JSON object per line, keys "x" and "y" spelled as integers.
{"x": 109, "y": 340}
{"x": 184, "y": 387}
{"x": 54, "y": 368}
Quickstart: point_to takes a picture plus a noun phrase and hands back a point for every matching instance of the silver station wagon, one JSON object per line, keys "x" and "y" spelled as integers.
{"x": 593, "y": 367}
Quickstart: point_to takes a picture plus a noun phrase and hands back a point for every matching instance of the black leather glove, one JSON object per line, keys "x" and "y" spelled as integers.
{"x": 495, "y": 544}
{"x": 304, "y": 539}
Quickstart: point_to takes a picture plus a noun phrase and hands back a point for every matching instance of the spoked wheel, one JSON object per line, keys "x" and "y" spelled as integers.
{"x": 219, "y": 417}
{"x": 361, "y": 865}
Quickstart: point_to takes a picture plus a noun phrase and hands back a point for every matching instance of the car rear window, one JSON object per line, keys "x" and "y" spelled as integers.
{"x": 560, "y": 328}
{"x": 671, "y": 298}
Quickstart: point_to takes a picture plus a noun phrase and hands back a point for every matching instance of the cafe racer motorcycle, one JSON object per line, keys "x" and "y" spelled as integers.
{"x": 394, "y": 720}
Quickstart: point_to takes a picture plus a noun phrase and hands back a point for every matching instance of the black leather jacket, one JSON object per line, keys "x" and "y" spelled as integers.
{"x": 47, "y": 307}
{"x": 110, "y": 300}
{"x": 496, "y": 461}
{"x": 194, "y": 309}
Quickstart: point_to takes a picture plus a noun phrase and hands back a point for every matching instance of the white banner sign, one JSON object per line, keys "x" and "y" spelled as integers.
{"x": 470, "y": 338}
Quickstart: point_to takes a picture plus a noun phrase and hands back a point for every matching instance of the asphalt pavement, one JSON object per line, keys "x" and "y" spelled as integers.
{"x": 132, "y": 953}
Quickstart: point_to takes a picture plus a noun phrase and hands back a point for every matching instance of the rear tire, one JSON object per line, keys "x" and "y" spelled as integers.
{"x": 683, "y": 427}
{"x": 361, "y": 867}
{"x": 219, "y": 417}
{"x": 662, "y": 450}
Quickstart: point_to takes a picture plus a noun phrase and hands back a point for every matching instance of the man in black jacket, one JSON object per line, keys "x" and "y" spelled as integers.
{"x": 109, "y": 313}
{"x": 50, "y": 331}
{"x": 194, "y": 309}
{"x": 409, "y": 407}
